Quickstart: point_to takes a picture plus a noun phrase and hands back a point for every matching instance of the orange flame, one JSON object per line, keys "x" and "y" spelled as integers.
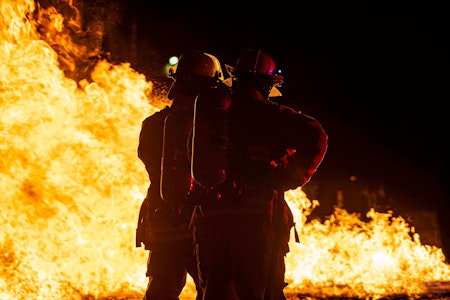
{"x": 72, "y": 185}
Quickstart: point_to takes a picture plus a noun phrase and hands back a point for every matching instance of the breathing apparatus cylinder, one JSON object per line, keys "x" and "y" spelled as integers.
{"x": 175, "y": 166}
{"x": 210, "y": 139}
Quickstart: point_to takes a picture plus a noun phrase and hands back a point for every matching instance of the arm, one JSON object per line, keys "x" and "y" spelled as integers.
{"x": 307, "y": 142}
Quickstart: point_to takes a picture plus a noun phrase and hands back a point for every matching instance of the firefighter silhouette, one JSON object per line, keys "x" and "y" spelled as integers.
{"x": 247, "y": 151}
{"x": 164, "y": 149}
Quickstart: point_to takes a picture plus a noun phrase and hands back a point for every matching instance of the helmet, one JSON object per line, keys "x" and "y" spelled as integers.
{"x": 194, "y": 71}
{"x": 197, "y": 63}
{"x": 256, "y": 62}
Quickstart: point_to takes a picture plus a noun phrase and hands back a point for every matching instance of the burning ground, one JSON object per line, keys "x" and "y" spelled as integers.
{"x": 72, "y": 184}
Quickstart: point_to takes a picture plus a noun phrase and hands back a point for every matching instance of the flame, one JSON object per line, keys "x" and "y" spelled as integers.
{"x": 346, "y": 257}
{"x": 72, "y": 184}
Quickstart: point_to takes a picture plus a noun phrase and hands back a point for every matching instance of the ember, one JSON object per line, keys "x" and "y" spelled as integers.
{"x": 72, "y": 186}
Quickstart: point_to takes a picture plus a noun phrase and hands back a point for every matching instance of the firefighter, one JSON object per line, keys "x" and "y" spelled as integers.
{"x": 163, "y": 220}
{"x": 241, "y": 222}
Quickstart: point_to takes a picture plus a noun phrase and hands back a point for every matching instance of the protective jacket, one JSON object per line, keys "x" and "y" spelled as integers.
{"x": 270, "y": 148}
{"x": 159, "y": 219}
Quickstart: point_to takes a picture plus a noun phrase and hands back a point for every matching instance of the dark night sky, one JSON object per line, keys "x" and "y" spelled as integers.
{"x": 375, "y": 73}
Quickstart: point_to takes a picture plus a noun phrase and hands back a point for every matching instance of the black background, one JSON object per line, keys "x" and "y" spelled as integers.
{"x": 374, "y": 73}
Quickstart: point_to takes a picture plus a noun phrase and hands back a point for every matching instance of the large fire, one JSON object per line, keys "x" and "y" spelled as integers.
{"x": 72, "y": 186}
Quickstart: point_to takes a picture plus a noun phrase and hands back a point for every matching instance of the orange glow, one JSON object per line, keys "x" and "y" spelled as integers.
{"x": 72, "y": 186}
